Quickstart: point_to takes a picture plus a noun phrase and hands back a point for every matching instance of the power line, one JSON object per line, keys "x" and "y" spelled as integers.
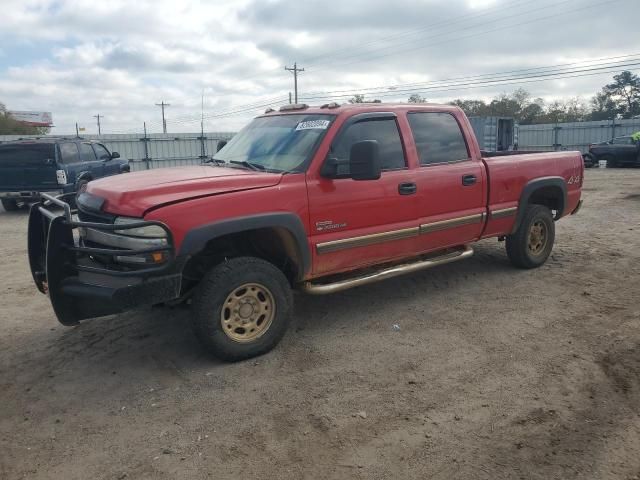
{"x": 507, "y": 81}
{"x": 492, "y": 77}
{"x": 473, "y": 77}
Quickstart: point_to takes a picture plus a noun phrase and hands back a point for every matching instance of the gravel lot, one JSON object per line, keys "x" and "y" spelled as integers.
{"x": 494, "y": 373}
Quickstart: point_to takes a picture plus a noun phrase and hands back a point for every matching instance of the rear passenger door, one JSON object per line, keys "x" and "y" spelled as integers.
{"x": 356, "y": 223}
{"x": 90, "y": 162}
{"x": 451, "y": 185}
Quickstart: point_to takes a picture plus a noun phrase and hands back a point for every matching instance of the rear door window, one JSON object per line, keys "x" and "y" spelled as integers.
{"x": 438, "y": 138}
{"x": 86, "y": 153}
{"x": 68, "y": 153}
{"x": 101, "y": 152}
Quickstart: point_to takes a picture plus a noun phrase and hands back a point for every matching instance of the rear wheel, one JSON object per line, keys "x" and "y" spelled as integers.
{"x": 9, "y": 205}
{"x": 611, "y": 162}
{"x": 531, "y": 244}
{"x": 241, "y": 309}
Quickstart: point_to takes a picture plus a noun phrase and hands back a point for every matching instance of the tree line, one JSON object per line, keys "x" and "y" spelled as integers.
{"x": 618, "y": 99}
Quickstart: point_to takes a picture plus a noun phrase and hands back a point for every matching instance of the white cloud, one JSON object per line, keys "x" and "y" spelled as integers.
{"x": 78, "y": 58}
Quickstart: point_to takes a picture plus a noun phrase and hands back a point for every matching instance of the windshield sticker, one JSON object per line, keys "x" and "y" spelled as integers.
{"x": 321, "y": 124}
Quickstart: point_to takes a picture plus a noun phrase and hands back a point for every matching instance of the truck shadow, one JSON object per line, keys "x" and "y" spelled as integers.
{"x": 165, "y": 332}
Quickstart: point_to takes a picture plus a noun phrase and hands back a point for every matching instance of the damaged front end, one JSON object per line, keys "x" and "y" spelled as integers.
{"x": 91, "y": 266}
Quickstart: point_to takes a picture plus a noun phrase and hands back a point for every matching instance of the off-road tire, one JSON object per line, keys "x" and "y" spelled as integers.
{"x": 215, "y": 289}
{"x": 10, "y": 205}
{"x": 518, "y": 245}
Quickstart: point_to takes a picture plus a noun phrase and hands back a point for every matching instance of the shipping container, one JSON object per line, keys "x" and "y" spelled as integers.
{"x": 495, "y": 134}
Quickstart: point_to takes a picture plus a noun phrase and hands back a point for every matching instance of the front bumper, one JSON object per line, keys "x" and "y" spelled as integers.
{"x": 79, "y": 286}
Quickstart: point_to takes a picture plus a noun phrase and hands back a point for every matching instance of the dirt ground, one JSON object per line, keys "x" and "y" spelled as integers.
{"x": 494, "y": 373}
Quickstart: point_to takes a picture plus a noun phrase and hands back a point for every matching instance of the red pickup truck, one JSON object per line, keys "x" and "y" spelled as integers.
{"x": 315, "y": 198}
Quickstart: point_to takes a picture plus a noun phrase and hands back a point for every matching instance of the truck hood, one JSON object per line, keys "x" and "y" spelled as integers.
{"x": 134, "y": 194}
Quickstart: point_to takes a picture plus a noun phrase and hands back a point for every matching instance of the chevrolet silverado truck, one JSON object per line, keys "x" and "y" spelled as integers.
{"x": 52, "y": 165}
{"x": 318, "y": 199}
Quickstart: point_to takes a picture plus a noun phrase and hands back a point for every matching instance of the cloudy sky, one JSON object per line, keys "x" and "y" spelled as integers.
{"x": 117, "y": 58}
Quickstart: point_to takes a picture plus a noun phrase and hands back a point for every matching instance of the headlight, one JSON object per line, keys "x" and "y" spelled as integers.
{"x": 148, "y": 231}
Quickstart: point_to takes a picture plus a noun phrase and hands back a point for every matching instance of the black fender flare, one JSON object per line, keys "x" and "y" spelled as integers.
{"x": 531, "y": 187}
{"x": 196, "y": 239}
{"x": 84, "y": 176}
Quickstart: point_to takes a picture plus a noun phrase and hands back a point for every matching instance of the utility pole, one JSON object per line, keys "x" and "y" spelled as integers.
{"x": 295, "y": 71}
{"x": 164, "y": 123}
{"x": 98, "y": 117}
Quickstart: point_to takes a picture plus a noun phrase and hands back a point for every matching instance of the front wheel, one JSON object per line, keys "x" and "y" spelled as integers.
{"x": 242, "y": 308}
{"x": 532, "y": 242}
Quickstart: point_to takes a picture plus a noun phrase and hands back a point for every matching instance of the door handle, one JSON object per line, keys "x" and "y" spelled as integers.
{"x": 469, "y": 180}
{"x": 407, "y": 188}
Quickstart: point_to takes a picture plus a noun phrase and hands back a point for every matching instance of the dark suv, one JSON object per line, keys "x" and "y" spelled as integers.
{"x": 617, "y": 152}
{"x": 54, "y": 165}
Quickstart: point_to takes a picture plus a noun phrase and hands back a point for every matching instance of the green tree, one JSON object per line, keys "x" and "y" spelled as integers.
{"x": 532, "y": 112}
{"x": 603, "y": 107}
{"x": 417, "y": 98}
{"x": 625, "y": 92}
{"x": 473, "y": 108}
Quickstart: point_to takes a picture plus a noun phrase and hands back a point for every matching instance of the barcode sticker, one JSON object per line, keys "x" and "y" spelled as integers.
{"x": 311, "y": 124}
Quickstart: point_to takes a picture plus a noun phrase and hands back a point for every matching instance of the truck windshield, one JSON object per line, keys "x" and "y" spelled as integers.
{"x": 280, "y": 143}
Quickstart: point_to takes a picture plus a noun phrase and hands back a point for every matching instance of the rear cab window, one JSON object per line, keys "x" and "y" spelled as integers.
{"x": 383, "y": 130}
{"x": 438, "y": 138}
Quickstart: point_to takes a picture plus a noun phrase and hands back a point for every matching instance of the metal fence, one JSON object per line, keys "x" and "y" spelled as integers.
{"x": 155, "y": 150}
{"x": 574, "y": 135}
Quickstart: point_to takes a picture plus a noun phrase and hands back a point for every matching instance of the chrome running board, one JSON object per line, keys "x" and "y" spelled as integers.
{"x": 390, "y": 272}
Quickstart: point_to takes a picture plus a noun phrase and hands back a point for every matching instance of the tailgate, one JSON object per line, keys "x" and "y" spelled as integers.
{"x": 29, "y": 166}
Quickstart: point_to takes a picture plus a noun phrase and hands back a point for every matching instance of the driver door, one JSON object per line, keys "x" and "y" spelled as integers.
{"x": 358, "y": 223}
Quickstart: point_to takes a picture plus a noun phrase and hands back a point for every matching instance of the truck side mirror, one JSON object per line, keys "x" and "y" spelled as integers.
{"x": 115, "y": 155}
{"x": 364, "y": 160}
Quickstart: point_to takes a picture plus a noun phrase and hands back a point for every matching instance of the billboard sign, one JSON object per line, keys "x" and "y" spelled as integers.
{"x": 35, "y": 119}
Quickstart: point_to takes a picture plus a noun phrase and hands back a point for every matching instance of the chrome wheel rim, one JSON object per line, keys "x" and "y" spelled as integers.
{"x": 247, "y": 312}
{"x": 537, "y": 238}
